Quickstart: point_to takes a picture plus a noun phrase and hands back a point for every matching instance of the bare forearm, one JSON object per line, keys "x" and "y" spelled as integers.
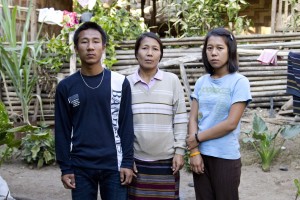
{"x": 217, "y": 131}
{"x": 226, "y": 126}
{"x": 193, "y": 129}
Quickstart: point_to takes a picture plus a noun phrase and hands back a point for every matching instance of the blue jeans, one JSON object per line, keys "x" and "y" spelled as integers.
{"x": 88, "y": 180}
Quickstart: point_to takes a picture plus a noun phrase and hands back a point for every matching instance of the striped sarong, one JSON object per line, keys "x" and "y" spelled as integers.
{"x": 293, "y": 80}
{"x": 155, "y": 180}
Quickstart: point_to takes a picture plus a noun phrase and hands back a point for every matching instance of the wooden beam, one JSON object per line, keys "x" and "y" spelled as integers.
{"x": 142, "y": 8}
{"x": 185, "y": 82}
{"x": 153, "y": 17}
{"x": 73, "y": 56}
{"x": 273, "y": 15}
{"x": 33, "y": 22}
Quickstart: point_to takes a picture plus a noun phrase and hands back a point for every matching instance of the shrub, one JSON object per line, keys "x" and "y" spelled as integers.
{"x": 38, "y": 147}
{"x": 8, "y": 143}
{"x": 265, "y": 141}
{"x": 297, "y": 184}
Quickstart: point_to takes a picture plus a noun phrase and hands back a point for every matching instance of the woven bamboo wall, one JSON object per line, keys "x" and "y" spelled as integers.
{"x": 259, "y": 11}
{"x": 266, "y": 81}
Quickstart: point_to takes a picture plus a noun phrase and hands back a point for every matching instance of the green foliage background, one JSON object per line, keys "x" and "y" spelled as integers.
{"x": 119, "y": 24}
{"x": 192, "y": 18}
{"x": 197, "y": 17}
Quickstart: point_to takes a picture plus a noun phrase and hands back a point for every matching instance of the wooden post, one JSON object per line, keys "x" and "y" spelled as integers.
{"x": 273, "y": 15}
{"x": 33, "y": 37}
{"x": 153, "y": 17}
{"x": 73, "y": 56}
{"x": 142, "y": 8}
{"x": 33, "y": 22}
{"x": 185, "y": 82}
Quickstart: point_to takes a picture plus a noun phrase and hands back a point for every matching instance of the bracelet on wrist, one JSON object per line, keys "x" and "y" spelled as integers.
{"x": 196, "y": 137}
{"x": 195, "y": 154}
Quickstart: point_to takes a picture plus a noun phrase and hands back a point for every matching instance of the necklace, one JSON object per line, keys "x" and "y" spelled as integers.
{"x": 90, "y": 86}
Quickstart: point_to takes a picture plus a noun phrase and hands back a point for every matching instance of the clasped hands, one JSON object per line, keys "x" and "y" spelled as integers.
{"x": 191, "y": 142}
{"x": 196, "y": 162}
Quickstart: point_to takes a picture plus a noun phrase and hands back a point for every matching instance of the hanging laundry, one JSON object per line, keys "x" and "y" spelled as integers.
{"x": 268, "y": 57}
{"x": 83, "y": 3}
{"x": 293, "y": 80}
{"x": 70, "y": 18}
{"x": 50, "y": 16}
{"x": 91, "y": 4}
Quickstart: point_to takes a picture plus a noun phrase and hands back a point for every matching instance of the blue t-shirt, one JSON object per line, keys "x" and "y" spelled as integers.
{"x": 215, "y": 97}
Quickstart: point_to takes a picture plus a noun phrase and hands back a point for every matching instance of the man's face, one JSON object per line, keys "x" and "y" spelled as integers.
{"x": 90, "y": 47}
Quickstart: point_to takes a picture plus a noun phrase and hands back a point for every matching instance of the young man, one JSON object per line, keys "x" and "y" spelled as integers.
{"x": 93, "y": 123}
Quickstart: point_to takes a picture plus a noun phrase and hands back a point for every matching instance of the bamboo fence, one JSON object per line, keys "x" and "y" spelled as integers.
{"x": 183, "y": 57}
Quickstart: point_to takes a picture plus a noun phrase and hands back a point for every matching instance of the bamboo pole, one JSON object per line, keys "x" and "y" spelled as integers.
{"x": 268, "y": 88}
{"x": 185, "y": 82}
{"x": 265, "y": 83}
{"x": 269, "y": 73}
{"x": 33, "y": 37}
{"x": 19, "y": 108}
{"x": 267, "y": 99}
{"x": 262, "y": 78}
{"x": 268, "y": 93}
{"x": 33, "y": 21}
{"x": 273, "y": 15}
{"x": 264, "y": 105}
{"x": 262, "y": 68}
{"x": 73, "y": 56}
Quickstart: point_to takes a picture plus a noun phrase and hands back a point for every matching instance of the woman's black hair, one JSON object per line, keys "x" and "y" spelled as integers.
{"x": 150, "y": 35}
{"x": 232, "y": 50}
{"x": 89, "y": 25}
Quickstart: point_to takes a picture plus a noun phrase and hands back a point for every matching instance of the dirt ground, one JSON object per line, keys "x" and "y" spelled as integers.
{"x": 36, "y": 184}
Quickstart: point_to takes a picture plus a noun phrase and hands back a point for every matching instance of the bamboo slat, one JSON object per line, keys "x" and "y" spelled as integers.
{"x": 266, "y": 83}
{"x": 267, "y": 99}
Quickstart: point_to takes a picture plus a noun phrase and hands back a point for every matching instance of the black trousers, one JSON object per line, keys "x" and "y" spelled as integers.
{"x": 220, "y": 180}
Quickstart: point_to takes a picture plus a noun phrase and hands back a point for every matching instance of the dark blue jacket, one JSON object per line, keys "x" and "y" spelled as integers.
{"x": 84, "y": 135}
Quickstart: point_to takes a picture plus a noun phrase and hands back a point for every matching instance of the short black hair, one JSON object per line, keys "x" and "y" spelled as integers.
{"x": 232, "y": 50}
{"x": 89, "y": 25}
{"x": 150, "y": 35}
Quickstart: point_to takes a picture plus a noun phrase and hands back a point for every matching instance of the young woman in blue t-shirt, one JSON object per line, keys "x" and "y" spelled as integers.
{"x": 218, "y": 102}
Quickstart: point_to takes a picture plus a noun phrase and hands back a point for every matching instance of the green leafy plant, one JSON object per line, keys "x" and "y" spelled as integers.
{"x": 58, "y": 50}
{"x": 297, "y": 184}
{"x": 38, "y": 147}
{"x": 118, "y": 22}
{"x": 187, "y": 165}
{"x": 8, "y": 143}
{"x": 197, "y": 17}
{"x": 293, "y": 20}
{"x": 265, "y": 141}
{"x": 19, "y": 61}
